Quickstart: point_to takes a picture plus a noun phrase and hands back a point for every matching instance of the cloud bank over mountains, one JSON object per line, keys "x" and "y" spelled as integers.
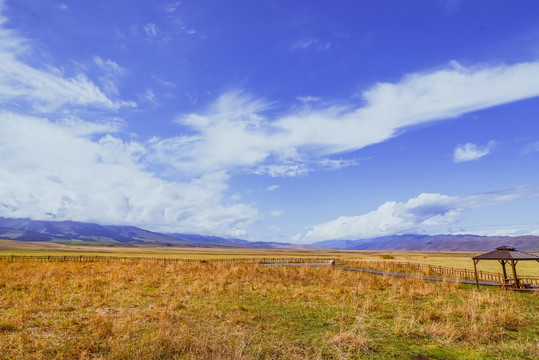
{"x": 413, "y": 216}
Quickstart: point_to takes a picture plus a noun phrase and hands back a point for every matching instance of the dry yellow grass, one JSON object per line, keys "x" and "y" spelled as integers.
{"x": 450, "y": 259}
{"x": 151, "y": 310}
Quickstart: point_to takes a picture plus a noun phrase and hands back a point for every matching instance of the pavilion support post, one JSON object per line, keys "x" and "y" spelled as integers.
{"x": 503, "y": 262}
{"x": 513, "y": 265}
{"x": 475, "y": 269}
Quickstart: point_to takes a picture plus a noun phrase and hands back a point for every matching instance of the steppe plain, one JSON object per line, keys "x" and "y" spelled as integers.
{"x": 154, "y": 309}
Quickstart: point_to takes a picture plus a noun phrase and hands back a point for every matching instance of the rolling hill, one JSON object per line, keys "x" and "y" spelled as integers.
{"x": 72, "y": 232}
{"x": 411, "y": 242}
{"x": 76, "y": 232}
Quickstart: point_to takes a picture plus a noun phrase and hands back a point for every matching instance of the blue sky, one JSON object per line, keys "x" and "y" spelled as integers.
{"x": 276, "y": 121}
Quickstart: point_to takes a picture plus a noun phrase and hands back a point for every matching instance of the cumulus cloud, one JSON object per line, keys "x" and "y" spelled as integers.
{"x": 471, "y": 152}
{"x": 60, "y": 176}
{"x": 424, "y": 211}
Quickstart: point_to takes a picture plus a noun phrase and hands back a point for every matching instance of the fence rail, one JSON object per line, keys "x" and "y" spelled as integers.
{"x": 90, "y": 258}
{"x": 428, "y": 269}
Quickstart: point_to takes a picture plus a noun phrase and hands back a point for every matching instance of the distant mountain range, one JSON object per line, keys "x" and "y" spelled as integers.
{"x": 411, "y": 242}
{"x": 79, "y": 232}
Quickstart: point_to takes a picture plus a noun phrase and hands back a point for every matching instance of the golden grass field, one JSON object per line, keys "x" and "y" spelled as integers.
{"x": 451, "y": 259}
{"x": 154, "y": 310}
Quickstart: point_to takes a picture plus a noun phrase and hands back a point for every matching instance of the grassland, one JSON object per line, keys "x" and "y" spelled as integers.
{"x": 151, "y": 310}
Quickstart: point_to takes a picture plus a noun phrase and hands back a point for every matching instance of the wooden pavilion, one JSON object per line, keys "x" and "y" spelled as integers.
{"x": 505, "y": 255}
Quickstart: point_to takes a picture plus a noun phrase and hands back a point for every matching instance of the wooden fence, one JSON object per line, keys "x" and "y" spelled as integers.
{"x": 428, "y": 269}
{"x": 88, "y": 258}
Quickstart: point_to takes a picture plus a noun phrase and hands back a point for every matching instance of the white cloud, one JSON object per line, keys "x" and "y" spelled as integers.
{"x": 43, "y": 90}
{"x": 151, "y": 30}
{"x": 501, "y": 230}
{"x": 276, "y": 213}
{"x": 308, "y": 99}
{"x": 244, "y": 132}
{"x": 276, "y": 170}
{"x": 272, "y": 187}
{"x": 311, "y": 43}
{"x": 148, "y": 97}
{"x": 470, "y": 152}
{"x": 60, "y": 175}
{"x": 330, "y": 164}
{"x": 172, "y": 6}
{"x": 423, "y": 211}
{"x": 164, "y": 82}
{"x": 111, "y": 75}
{"x": 81, "y": 127}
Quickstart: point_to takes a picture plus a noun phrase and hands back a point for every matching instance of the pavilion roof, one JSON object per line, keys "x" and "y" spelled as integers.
{"x": 506, "y": 253}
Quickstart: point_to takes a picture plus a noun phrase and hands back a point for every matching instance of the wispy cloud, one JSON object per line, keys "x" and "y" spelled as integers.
{"x": 163, "y": 82}
{"x": 240, "y": 131}
{"x": 151, "y": 31}
{"x": 44, "y": 90}
{"x": 334, "y": 164}
{"x": 283, "y": 170}
{"x": 501, "y": 230}
{"x": 171, "y": 7}
{"x": 471, "y": 152}
{"x": 276, "y": 213}
{"x": 422, "y": 212}
{"x": 80, "y": 127}
{"x": 308, "y": 99}
{"x": 111, "y": 74}
{"x": 148, "y": 96}
{"x": 272, "y": 187}
{"x": 311, "y": 43}
{"x": 531, "y": 147}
